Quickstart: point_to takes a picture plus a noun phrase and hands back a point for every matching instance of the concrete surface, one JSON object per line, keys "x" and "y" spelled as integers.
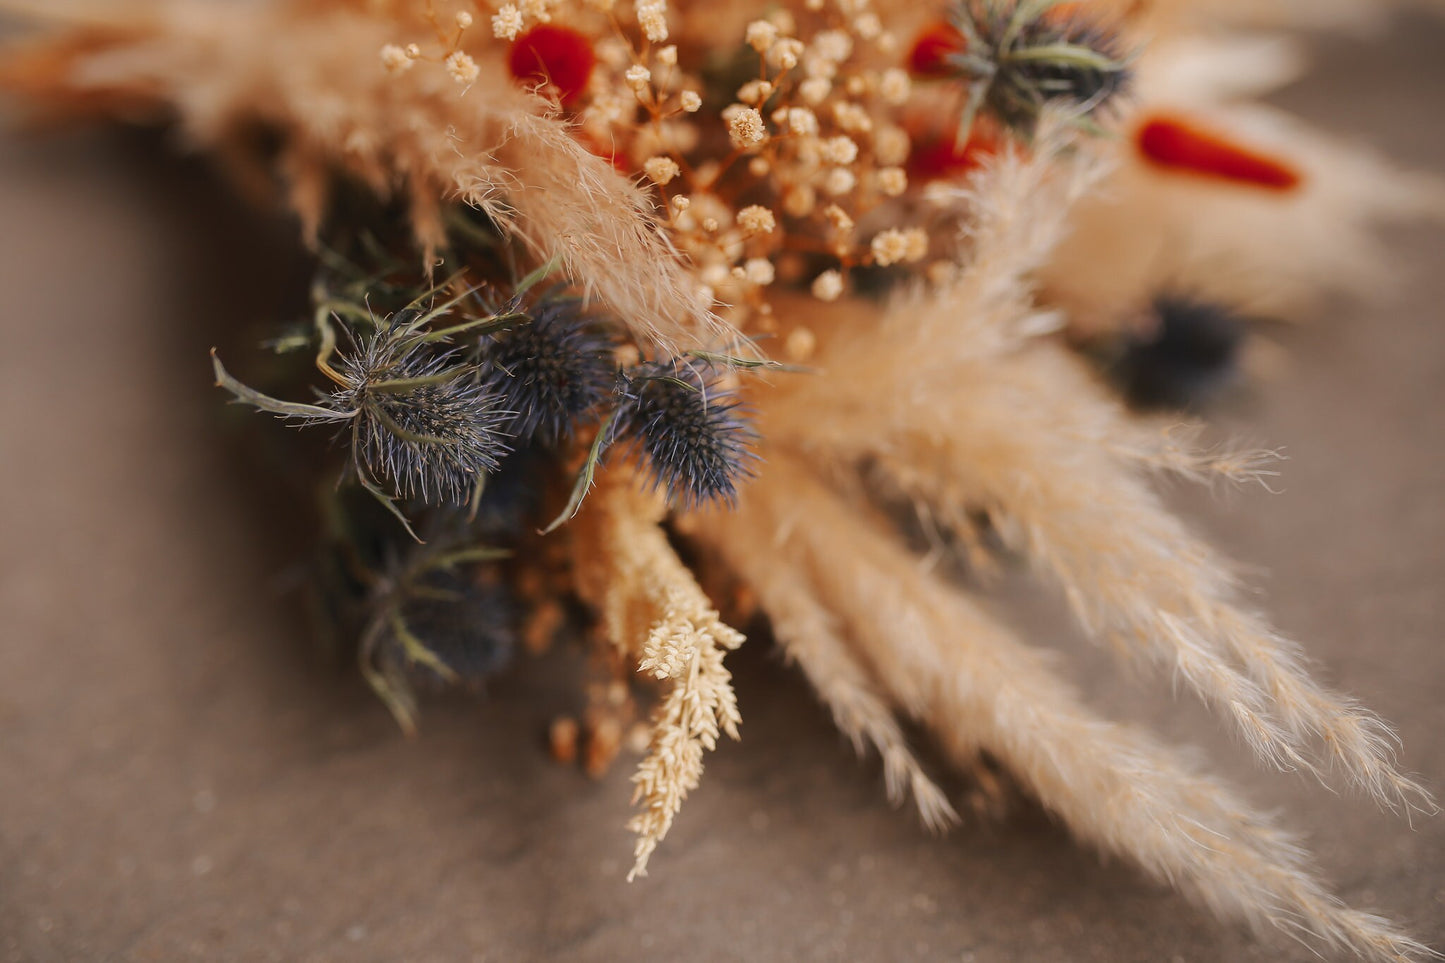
{"x": 183, "y": 777}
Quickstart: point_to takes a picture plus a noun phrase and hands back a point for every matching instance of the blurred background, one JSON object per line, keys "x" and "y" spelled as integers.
{"x": 184, "y": 774}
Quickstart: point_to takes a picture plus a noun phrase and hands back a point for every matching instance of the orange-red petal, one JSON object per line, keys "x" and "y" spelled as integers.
{"x": 1175, "y": 144}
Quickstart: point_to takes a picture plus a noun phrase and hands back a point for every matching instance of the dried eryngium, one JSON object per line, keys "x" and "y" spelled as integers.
{"x": 1016, "y": 57}
{"x": 690, "y": 430}
{"x": 419, "y": 417}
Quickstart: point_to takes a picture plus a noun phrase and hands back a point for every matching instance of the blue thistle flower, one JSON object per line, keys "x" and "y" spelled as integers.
{"x": 1017, "y": 56}
{"x": 419, "y": 418}
{"x": 424, "y": 422}
{"x": 551, "y": 371}
{"x": 692, "y": 432}
{"x": 1189, "y": 356}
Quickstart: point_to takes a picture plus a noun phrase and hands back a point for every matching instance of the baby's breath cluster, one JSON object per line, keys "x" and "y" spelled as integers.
{"x": 801, "y": 160}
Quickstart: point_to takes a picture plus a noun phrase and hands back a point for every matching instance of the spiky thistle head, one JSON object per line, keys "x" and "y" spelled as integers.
{"x": 551, "y": 371}
{"x": 692, "y": 431}
{"x": 424, "y": 421}
{"x": 1186, "y": 355}
{"x": 1018, "y": 56}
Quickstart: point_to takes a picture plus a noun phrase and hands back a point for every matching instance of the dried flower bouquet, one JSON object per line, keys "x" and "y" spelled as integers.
{"x": 618, "y": 300}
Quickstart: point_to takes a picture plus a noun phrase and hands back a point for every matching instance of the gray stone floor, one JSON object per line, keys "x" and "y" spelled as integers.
{"x": 182, "y": 777}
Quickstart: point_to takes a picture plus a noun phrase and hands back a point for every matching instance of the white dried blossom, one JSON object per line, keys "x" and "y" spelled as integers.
{"x": 681, "y": 203}
{"x": 785, "y": 53}
{"x": 889, "y": 247}
{"x": 759, "y": 166}
{"x": 690, "y": 101}
{"x": 915, "y": 240}
{"x": 894, "y": 85}
{"x": 537, "y": 10}
{"x": 838, "y": 218}
{"x": 660, "y": 170}
{"x": 868, "y": 26}
{"x": 761, "y": 35}
{"x": 759, "y": 270}
{"x": 463, "y": 19}
{"x": 839, "y": 181}
{"x": 852, "y": 118}
{"x": 667, "y": 56}
{"x": 507, "y": 22}
{"x": 756, "y": 219}
{"x": 891, "y": 146}
{"x": 638, "y": 77}
{"x": 394, "y": 59}
{"x": 462, "y": 68}
{"x": 892, "y": 181}
{"x": 833, "y": 45}
{"x": 802, "y": 121}
{"x": 745, "y": 126}
{"x": 828, "y": 286}
{"x": 815, "y": 90}
{"x": 783, "y": 20}
{"x": 840, "y": 150}
{"x": 652, "y": 18}
{"x": 755, "y": 91}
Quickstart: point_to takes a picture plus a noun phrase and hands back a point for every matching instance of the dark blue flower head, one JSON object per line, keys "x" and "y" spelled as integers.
{"x": 693, "y": 433}
{"x": 1186, "y": 357}
{"x": 1017, "y": 56}
{"x": 424, "y": 421}
{"x": 551, "y": 371}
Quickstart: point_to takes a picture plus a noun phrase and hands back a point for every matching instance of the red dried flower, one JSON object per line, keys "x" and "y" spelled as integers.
{"x": 933, "y": 48}
{"x": 554, "y": 55}
{"x": 937, "y": 153}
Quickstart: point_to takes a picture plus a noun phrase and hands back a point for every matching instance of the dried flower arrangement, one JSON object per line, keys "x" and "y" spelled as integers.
{"x": 617, "y": 300}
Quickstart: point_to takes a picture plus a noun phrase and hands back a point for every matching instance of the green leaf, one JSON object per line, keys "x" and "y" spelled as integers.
{"x": 286, "y": 409}
{"x": 534, "y": 276}
{"x": 399, "y": 386}
{"x": 469, "y": 556}
{"x": 584, "y": 477}
{"x": 387, "y": 503}
{"x": 1067, "y": 54}
{"x": 417, "y": 651}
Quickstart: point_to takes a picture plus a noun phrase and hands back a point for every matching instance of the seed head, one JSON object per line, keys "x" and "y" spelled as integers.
{"x": 692, "y": 432}
{"x": 425, "y": 422}
{"x": 551, "y": 372}
{"x": 1017, "y": 57}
